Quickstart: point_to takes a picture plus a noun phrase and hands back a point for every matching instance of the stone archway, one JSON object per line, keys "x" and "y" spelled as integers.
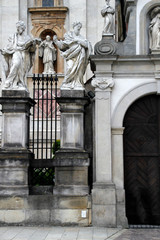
{"x": 117, "y": 142}
{"x": 141, "y": 161}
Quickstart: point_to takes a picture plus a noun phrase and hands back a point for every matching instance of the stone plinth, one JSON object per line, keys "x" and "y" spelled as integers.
{"x": 71, "y": 173}
{"x": 72, "y": 119}
{"x": 14, "y": 154}
{"x": 107, "y": 46}
{"x": 72, "y": 161}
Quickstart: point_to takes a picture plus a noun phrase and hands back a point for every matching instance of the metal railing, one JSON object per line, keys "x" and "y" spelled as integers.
{"x": 43, "y": 130}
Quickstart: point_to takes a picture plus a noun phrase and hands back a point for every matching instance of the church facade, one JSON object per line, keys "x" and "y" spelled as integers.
{"x": 117, "y": 182}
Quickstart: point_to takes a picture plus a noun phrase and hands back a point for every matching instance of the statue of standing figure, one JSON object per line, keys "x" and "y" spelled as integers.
{"x": 107, "y": 12}
{"x": 154, "y": 29}
{"x": 76, "y": 50}
{"x": 18, "y": 58}
{"x": 48, "y": 52}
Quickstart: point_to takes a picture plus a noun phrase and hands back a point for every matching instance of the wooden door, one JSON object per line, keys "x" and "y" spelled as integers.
{"x": 142, "y": 161}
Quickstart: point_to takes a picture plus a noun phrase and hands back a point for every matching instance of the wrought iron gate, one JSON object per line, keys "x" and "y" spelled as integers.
{"x": 43, "y": 134}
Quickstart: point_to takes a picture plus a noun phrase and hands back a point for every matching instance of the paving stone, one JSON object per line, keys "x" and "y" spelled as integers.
{"x": 77, "y": 233}
{"x": 10, "y": 233}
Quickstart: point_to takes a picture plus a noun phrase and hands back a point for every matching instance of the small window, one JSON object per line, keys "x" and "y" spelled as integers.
{"x": 47, "y": 3}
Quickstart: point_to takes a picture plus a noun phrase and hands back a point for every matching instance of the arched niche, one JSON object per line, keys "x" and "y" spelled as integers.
{"x": 144, "y": 26}
{"x": 39, "y": 60}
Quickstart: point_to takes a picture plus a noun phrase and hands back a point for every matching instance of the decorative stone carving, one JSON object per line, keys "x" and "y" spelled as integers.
{"x": 103, "y": 83}
{"x": 18, "y": 59}
{"x": 48, "y": 52}
{"x": 107, "y": 12}
{"x": 107, "y": 46}
{"x": 76, "y": 50}
{"x": 154, "y": 30}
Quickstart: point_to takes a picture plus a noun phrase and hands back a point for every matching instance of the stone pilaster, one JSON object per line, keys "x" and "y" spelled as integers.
{"x": 14, "y": 154}
{"x": 103, "y": 193}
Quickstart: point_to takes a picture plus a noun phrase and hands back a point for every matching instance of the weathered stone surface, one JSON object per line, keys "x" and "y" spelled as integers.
{"x": 81, "y": 190}
{"x": 44, "y": 209}
{"x": 37, "y": 216}
{"x": 71, "y": 175}
{"x": 121, "y": 216}
{"x": 73, "y": 202}
{"x": 103, "y": 196}
{"x": 104, "y": 215}
{"x": 14, "y": 190}
{"x": 68, "y": 217}
{"x": 40, "y": 190}
{"x": 12, "y": 216}
{"x": 120, "y": 195}
{"x": 72, "y": 93}
{"x": 41, "y": 202}
{"x": 15, "y": 93}
{"x": 12, "y": 203}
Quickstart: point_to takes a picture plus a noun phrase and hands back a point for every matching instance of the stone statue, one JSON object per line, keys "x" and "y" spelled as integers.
{"x": 154, "y": 29}
{"x": 76, "y": 50}
{"x": 107, "y": 12}
{"x": 18, "y": 57}
{"x": 48, "y": 52}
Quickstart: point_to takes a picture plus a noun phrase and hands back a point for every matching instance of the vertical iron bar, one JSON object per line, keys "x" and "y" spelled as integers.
{"x": 34, "y": 80}
{"x": 42, "y": 110}
{"x": 56, "y": 80}
{"x": 47, "y": 119}
{"x": 51, "y": 117}
{"x": 38, "y": 81}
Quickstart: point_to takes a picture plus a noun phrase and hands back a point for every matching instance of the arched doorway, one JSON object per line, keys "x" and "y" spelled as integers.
{"x": 142, "y": 161}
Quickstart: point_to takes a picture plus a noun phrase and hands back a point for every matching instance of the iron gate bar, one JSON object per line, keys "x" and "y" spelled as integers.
{"x": 34, "y": 82}
{"x": 51, "y": 116}
{"x": 56, "y": 81}
{"x": 42, "y": 113}
{"x": 41, "y": 83}
{"x": 47, "y": 117}
{"x": 38, "y": 82}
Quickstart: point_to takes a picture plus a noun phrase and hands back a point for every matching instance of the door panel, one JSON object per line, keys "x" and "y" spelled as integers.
{"x": 141, "y": 161}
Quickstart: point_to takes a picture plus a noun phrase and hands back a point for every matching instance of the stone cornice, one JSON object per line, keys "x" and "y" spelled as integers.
{"x": 47, "y": 9}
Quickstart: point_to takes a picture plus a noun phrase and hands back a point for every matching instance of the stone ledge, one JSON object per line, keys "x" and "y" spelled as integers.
{"x": 15, "y": 93}
{"x": 15, "y": 190}
{"x": 80, "y": 190}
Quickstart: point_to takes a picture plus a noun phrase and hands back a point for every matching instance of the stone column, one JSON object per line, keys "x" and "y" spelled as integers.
{"x": 14, "y": 153}
{"x": 72, "y": 160}
{"x": 103, "y": 193}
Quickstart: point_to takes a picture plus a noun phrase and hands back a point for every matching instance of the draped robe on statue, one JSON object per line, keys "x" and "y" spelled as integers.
{"x": 18, "y": 60}
{"x": 154, "y": 32}
{"x": 107, "y": 12}
{"x": 76, "y": 51}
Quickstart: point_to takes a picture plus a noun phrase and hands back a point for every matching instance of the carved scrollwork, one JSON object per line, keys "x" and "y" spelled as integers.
{"x": 103, "y": 83}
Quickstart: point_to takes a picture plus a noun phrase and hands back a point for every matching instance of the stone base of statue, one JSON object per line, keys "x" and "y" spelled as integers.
{"x": 72, "y": 160}
{"x": 14, "y": 153}
{"x": 107, "y": 46}
{"x": 155, "y": 51}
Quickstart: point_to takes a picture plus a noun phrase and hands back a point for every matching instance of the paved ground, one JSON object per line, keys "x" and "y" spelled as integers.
{"x": 75, "y": 233}
{"x": 55, "y": 233}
